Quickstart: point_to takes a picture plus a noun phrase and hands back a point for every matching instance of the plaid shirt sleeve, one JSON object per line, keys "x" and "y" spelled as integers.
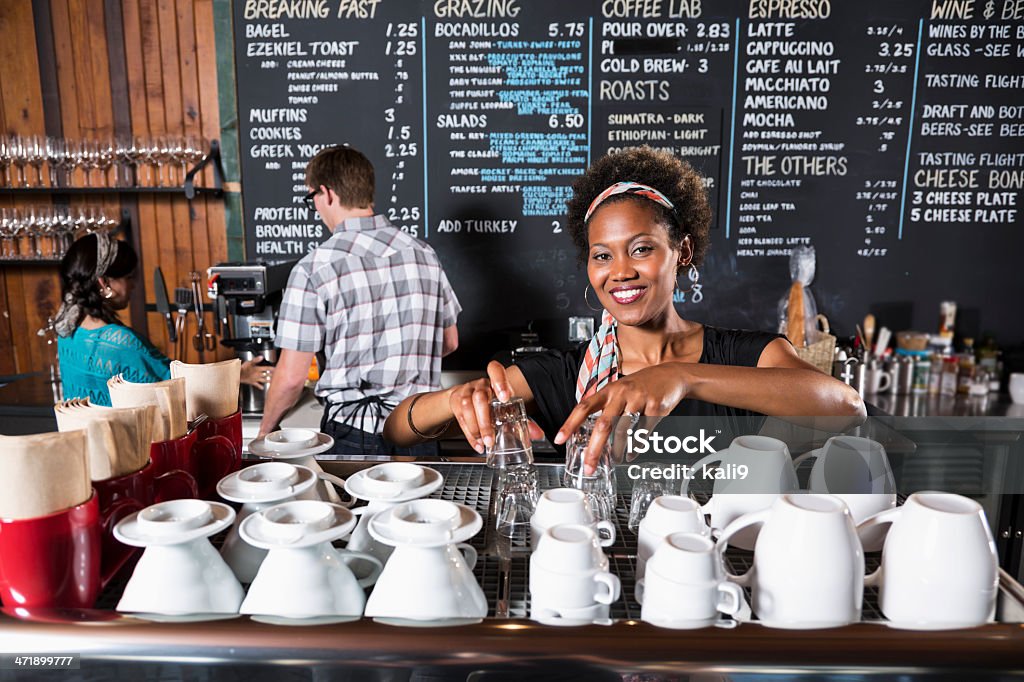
{"x": 300, "y": 323}
{"x": 452, "y": 307}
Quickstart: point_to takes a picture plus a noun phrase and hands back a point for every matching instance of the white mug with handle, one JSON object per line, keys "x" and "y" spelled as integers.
{"x": 808, "y": 562}
{"x": 857, "y": 471}
{"x": 769, "y": 472}
{"x": 939, "y": 565}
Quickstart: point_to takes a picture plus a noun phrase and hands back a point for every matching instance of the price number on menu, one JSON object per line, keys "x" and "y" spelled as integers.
{"x": 713, "y": 30}
{"x": 896, "y": 50}
{"x": 399, "y": 132}
{"x": 409, "y": 30}
{"x": 565, "y": 30}
{"x": 401, "y": 48}
{"x": 872, "y": 252}
{"x": 401, "y": 149}
{"x": 565, "y": 121}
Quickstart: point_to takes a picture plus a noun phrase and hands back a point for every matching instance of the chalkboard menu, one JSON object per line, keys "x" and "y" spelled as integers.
{"x": 888, "y": 134}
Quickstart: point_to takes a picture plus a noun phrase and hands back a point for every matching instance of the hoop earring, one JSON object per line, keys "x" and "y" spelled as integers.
{"x": 596, "y": 310}
{"x": 693, "y": 276}
{"x": 108, "y": 293}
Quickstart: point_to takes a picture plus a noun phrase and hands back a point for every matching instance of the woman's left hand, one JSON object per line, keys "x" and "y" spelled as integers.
{"x": 654, "y": 392}
{"x": 256, "y": 375}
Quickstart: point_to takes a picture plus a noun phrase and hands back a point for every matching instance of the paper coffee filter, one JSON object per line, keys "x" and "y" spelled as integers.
{"x": 43, "y": 473}
{"x": 117, "y": 439}
{"x": 170, "y": 419}
{"x": 210, "y": 389}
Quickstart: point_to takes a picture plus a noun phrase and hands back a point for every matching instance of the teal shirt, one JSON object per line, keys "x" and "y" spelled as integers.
{"x": 89, "y": 357}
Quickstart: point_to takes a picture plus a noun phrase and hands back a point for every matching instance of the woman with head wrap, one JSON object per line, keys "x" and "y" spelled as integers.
{"x": 97, "y": 277}
{"x": 640, "y": 220}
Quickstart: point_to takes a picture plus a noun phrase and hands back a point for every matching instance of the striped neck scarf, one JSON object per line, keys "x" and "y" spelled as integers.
{"x": 601, "y": 361}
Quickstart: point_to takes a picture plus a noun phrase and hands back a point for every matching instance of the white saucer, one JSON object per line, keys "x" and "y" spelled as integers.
{"x": 259, "y": 448}
{"x": 355, "y": 487}
{"x": 129, "y": 532}
{"x": 436, "y": 623}
{"x": 469, "y": 525}
{"x": 314, "y": 620}
{"x": 229, "y": 489}
{"x": 251, "y": 530}
{"x": 181, "y": 618}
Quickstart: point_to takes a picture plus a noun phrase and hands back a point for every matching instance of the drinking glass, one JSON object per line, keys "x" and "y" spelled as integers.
{"x": 18, "y": 156}
{"x": 599, "y": 483}
{"x": 8, "y": 234}
{"x": 35, "y": 154}
{"x": 512, "y": 445}
{"x": 645, "y": 490}
{"x": 5, "y": 160}
{"x": 518, "y": 492}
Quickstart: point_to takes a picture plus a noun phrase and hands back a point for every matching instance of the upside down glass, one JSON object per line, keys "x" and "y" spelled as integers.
{"x": 512, "y": 445}
{"x": 518, "y": 492}
{"x": 598, "y": 484}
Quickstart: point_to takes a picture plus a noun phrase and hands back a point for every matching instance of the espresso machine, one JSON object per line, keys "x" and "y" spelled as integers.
{"x": 247, "y": 298}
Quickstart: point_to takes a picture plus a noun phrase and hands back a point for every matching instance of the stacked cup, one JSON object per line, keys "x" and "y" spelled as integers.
{"x": 258, "y": 487}
{"x": 570, "y": 583}
{"x": 685, "y": 586}
{"x": 567, "y": 505}
{"x": 668, "y": 514}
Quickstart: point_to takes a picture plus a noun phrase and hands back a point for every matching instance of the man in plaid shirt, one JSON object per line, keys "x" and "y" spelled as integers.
{"x": 374, "y": 299}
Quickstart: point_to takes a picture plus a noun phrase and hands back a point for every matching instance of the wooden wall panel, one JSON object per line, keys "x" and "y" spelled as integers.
{"x": 161, "y": 59}
{"x": 29, "y": 289}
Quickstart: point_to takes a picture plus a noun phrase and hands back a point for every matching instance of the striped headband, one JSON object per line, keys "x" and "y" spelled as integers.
{"x": 627, "y": 187}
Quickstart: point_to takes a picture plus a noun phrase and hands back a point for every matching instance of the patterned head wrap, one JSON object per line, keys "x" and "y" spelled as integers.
{"x": 70, "y": 313}
{"x": 636, "y": 188}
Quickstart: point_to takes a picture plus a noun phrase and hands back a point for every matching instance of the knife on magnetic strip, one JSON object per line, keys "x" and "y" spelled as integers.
{"x": 163, "y": 304}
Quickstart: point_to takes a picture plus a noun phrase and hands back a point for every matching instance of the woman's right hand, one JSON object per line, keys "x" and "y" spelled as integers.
{"x": 471, "y": 405}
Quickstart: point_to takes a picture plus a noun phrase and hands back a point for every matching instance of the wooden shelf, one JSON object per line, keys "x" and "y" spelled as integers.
{"x": 210, "y": 191}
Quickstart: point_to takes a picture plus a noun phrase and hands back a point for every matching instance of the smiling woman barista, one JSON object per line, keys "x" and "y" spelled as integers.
{"x": 640, "y": 219}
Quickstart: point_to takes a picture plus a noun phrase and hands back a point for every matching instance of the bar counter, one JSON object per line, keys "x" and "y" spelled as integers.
{"x": 506, "y": 643}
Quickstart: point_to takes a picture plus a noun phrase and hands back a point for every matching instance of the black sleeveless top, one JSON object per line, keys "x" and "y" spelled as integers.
{"x": 552, "y": 377}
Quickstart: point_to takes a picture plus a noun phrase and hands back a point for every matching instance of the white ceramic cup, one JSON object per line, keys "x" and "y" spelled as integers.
{"x": 770, "y": 473}
{"x": 685, "y": 587}
{"x": 667, "y": 514}
{"x": 428, "y": 583}
{"x": 808, "y": 562}
{"x": 1016, "y": 388}
{"x": 310, "y": 582}
{"x": 392, "y": 478}
{"x": 423, "y": 520}
{"x": 857, "y": 471}
{"x": 566, "y": 505}
{"x": 569, "y": 571}
{"x": 271, "y": 483}
{"x": 290, "y": 440}
{"x": 939, "y": 564}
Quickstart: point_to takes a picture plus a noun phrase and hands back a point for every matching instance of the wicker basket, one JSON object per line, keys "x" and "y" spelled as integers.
{"x": 821, "y": 352}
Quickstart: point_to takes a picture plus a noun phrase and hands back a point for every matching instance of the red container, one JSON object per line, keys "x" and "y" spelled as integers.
{"x": 52, "y": 561}
{"x": 218, "y": 452}
{"x": 175, "y": 455}
{"x": 124, "y": 495}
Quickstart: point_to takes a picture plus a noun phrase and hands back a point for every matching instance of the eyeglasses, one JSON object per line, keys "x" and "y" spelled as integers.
{"x": 308, "y": 199}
